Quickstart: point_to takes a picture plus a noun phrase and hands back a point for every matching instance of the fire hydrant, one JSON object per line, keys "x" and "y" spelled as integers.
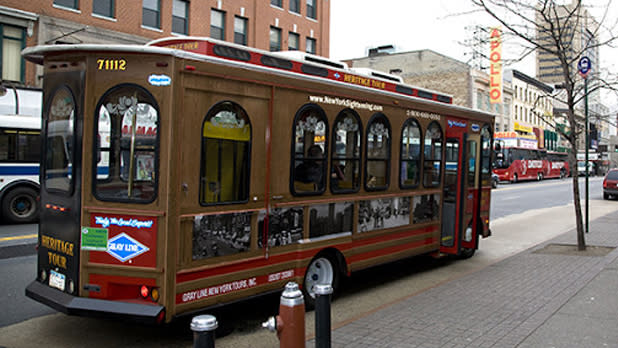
{"x": 290, "y": 323}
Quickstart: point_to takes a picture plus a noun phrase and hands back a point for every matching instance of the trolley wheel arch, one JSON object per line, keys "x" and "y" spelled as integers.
{"x": 334, "y": 259}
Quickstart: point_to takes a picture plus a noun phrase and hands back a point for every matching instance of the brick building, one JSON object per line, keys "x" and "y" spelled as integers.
{"x": 429, "y": 69}
{"x": 275, "y": 25}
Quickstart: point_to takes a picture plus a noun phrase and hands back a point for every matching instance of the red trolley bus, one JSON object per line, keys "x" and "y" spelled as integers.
{"x": 514, "y": 164}
{"x": 191, "y": 173}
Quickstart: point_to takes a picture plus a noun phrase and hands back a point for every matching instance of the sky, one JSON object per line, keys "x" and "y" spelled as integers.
{"x": 439, "y": 25}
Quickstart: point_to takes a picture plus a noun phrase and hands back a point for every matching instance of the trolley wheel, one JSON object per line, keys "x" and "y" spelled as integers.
{"x": 466, "y": 253}
{"x": 539, "y": 176}
{"x": 20, "y": 205}
{"x": 514, "y": 178}
{"x": 605, "y": 195}
{"x": 321, "y": 270}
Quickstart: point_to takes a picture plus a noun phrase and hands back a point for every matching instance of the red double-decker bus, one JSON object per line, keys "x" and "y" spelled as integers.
{"x": 192, "y": 173}
{"x": 514, "y": 164}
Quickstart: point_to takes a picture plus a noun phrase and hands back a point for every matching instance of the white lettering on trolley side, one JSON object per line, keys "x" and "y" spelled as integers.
{"x": 280, "y": 275}
{"x": 532, "y": 164}
{"x": 348, "y": 103}
{"x": 557, "y": 165}
{"x": 423, "y": 114}
{"x": 106, "y": 221}
{"x": 219, "y": 289}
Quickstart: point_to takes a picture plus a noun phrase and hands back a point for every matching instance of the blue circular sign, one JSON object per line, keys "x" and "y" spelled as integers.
{"x": 584, "y": 66}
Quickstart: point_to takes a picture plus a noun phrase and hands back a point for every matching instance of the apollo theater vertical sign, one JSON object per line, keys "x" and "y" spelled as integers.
{"x": 495, "y": 66}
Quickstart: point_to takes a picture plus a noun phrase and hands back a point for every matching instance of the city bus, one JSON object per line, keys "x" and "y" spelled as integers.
{"x": 20, "y": 148}
{"x": 514, "y": 164}
{"x": 231, "y": 171}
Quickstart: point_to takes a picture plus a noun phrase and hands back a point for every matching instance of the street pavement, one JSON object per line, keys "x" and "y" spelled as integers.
{"x": 549, "y": 295}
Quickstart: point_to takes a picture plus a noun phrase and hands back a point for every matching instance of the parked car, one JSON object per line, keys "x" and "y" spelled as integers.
{"x": 610, "y": 184}
{"x": 494, "y": 180}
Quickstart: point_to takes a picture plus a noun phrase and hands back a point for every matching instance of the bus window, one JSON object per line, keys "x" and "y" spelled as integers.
{"x": 309, "y": 147}
{"x": 433, "y": 155}
{"x": 19, "y": 145}
{"x": 410, "y": 154}
{"x": 378, "y": 153}
{"x": 59, "y": 142}
{"x": 472, "y": 159}
{"x": 226, "y": 142}
{"x": 345, "y": 166}
{"x": 131, "y": 152}
{"x": 485, "y": 156}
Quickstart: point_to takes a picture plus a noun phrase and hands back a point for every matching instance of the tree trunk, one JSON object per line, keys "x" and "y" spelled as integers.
{"x": 581, "y": 241}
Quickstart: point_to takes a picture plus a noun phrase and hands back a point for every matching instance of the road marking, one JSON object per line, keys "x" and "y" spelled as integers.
{"x": 26, "y": 236}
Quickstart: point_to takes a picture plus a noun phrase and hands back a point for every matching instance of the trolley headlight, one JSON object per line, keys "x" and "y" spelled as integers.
{"x": 468, "y": 234}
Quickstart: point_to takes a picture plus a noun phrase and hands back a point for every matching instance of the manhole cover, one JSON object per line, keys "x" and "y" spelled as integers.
{"x": 571, "y": 249}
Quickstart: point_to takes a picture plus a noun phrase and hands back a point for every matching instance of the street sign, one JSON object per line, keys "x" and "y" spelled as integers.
{"x": 584, "y": 66}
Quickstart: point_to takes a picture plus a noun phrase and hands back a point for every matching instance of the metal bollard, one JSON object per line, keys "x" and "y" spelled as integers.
{"x": 290, "y": 323}
{"x": 322, "y": 315}
{"x": 203, "y": 327}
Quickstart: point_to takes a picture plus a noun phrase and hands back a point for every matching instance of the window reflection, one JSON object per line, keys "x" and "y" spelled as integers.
{"x": 378, "y": 153}
{"x": 410, "y": 154}
{"x": 345, "y": 166}
{"x": 126, "y": 145}
{"x": 309, "y": 164}
{"x": 59, "y": 142}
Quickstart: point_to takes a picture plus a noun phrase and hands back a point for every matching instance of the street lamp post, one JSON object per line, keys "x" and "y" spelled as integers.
{"x": 584, "y": 66}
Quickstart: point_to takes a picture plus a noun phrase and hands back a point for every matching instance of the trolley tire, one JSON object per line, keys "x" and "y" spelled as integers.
{"x": 20, "y": 205}
{"x": 323, "y": 269}
{"x": 466, "y": 253}
{"x": 514, "y": 179}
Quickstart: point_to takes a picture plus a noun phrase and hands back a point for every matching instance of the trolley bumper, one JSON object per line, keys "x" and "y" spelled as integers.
{"x": 82, "y": 306}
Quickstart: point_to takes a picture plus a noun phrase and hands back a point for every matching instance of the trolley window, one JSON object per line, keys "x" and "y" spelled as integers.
{"x": 345, "y": 159}
{"x": 486, "y": 155}
{"x": 126, "y": 147}
{"x": 226, "y": 146}
{"x": 309, "y": 151}
{"x": 433, "y": 155}
{"x": 410, "y": 154}
{"x": 378, "y": 153}
{"x": 59, "y": 142}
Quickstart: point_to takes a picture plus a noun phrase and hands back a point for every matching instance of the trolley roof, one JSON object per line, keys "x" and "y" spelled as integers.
{"x": 292, "y": 62}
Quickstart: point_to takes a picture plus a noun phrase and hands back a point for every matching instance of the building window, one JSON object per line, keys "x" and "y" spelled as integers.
{"x": 310, "y": 46}
{"x": 276, "y": 3}
{"x": 378, "y": 151}
{"x": 275, "y": 39}
{"x": 13, "y": 41}
{"x": 293, "y": 40}
{"x": 346, "y": 159}
{"x": 226, "y": 149}
{"x": 74, "y": 4}
{"x": 240, "y": 30}
{"x": 295, "y": 6}
{"x": 410, "y": 154}
{"x": 217, "y": 24}
{"x": 309, "y": 149}
{"x": 151, "y": 13}
{"x": 103, "y": 8}
{"x": 311, "y": 10}
{"x": 432, "y": 163}
{"x": 180, "y": 17}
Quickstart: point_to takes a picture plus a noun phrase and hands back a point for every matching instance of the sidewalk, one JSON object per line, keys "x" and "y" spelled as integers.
{"x": 537, "y": 298}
